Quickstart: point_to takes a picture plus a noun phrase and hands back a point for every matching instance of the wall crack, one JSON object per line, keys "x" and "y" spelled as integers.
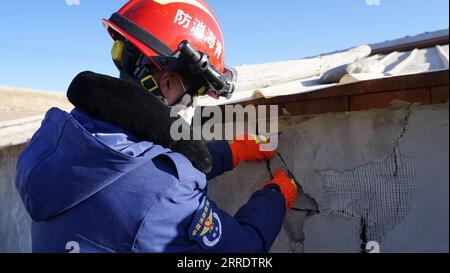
{"x": 379, "y": 193}
{"x": 396, "y": 149}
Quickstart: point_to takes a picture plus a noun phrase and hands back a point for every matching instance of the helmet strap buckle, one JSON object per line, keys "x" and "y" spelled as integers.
{"x": 149, "y": 83}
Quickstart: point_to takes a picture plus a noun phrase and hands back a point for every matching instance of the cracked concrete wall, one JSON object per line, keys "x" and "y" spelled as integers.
{"x": 312, "y": 146}
{"x": 404, "y": 143}
{"x": 15, "y": 224}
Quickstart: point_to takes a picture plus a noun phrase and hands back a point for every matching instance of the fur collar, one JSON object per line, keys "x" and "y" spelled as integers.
{"x": 128, "y": 105}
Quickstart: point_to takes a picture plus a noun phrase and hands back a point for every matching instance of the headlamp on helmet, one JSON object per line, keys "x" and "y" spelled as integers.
{"x": 218, "y": 84}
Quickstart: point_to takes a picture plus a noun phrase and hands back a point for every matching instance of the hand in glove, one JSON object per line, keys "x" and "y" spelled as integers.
{"x": 249, "y": 149}
{"x": 287, "y": 187}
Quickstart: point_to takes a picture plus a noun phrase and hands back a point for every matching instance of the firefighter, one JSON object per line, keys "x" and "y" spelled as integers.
{"x": 92, "y": 186}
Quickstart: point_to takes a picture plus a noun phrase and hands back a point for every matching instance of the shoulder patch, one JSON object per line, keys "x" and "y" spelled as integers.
{"x": 206, "y": 227}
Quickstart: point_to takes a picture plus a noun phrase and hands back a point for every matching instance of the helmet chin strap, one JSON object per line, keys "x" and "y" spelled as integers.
{"x": 185, "y": 108}
{"x": 182, "y": 84}
{"x": 185, "y": 105}
{"x": 141, "y": 67}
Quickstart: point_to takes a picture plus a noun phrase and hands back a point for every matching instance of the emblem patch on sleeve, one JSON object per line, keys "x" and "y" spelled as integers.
{"x": 206, "y": 228}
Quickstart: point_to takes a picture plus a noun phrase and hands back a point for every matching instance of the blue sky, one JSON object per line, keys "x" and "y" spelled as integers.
{"x": 45, "y": 43}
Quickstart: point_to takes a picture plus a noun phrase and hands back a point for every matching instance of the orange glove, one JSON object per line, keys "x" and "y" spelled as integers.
{"x": 249, "y": 149}
{"x": 287, "y": 186}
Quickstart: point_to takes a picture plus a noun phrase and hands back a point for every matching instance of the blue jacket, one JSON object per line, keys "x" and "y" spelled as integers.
{"x": 92, "y": 187}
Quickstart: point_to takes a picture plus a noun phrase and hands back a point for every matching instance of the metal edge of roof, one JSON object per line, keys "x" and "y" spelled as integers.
{"x": 411, "y": 39}
{"x": 431, "y": 36}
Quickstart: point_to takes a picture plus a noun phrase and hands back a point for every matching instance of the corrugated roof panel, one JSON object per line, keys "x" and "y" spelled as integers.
{"x": 415, "y": 61}
{"x": 443, "y": 54}
{"x": 396, "y": 64}
{"x": 392, "y": 60}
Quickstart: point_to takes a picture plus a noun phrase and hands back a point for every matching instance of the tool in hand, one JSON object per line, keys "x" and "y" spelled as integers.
{"x": 304, "y": 202}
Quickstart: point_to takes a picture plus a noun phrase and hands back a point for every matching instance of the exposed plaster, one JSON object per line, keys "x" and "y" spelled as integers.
{"x": 369, "y": 170}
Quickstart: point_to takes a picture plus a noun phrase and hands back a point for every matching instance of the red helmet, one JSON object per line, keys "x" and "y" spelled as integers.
{"x": 157, "y": 27}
